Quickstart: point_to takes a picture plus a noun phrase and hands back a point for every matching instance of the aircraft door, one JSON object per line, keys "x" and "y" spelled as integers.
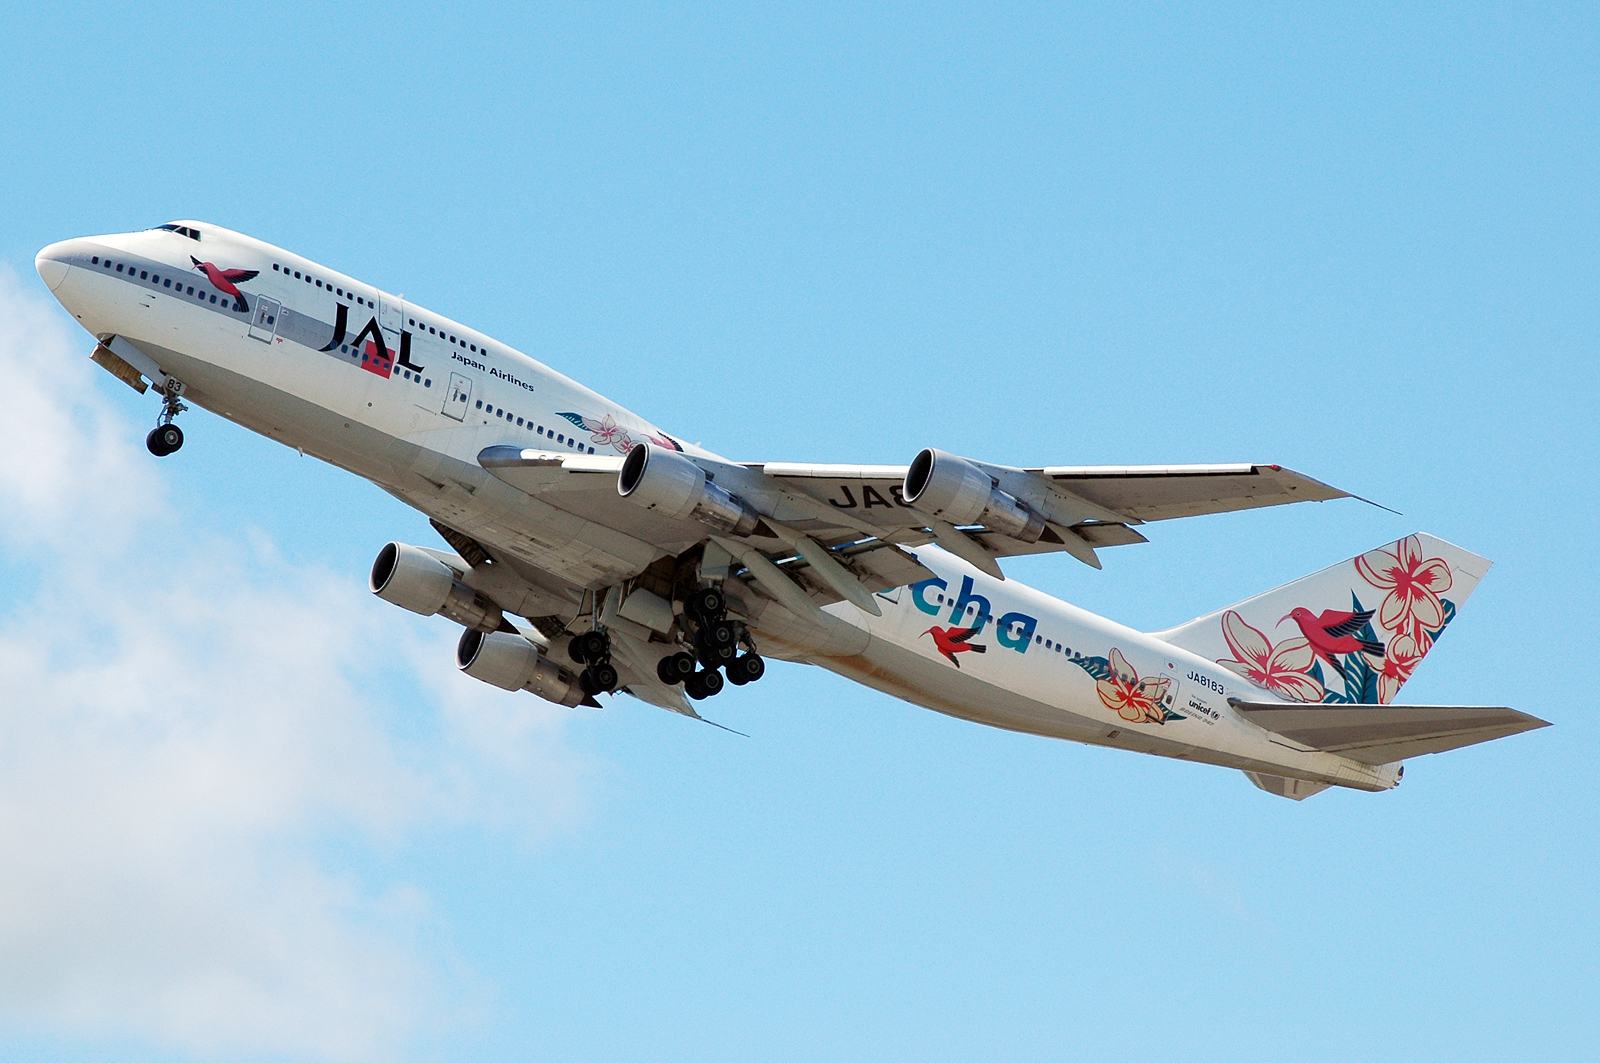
{"x": 391, "y": 314}
{"x": 264, "y": 322}
{"x": 1169, "y": 697}
{"x": 457, "y": 397}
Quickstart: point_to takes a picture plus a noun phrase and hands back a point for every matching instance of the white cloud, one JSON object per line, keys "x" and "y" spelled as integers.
{"x": 175, "y": 754}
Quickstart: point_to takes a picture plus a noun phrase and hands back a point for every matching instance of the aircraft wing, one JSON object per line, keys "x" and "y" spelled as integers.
{"x": 1085, "y": 507}
{"x": 844, "y": 532}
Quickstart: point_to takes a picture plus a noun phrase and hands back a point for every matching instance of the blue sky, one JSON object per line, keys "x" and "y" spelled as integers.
{"x": 250, "y": 812}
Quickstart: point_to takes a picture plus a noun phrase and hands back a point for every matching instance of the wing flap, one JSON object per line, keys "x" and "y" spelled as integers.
{"x": 1383, "y": 734}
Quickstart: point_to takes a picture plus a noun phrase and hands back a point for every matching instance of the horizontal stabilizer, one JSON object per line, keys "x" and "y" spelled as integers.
{"x": 1383, "y": 734}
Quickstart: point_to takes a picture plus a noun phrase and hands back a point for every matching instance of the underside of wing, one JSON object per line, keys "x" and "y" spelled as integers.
{"x": 1383, "y": 734}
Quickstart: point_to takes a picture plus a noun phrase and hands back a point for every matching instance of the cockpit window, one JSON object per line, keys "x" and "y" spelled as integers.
{"x": 181, "y": 230}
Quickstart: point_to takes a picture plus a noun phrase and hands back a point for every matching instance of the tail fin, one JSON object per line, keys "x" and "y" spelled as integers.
{"x": 1354, "y": 631}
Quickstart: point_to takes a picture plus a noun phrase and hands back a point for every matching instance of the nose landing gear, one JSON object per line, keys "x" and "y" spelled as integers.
{"x": 165, "y": 438}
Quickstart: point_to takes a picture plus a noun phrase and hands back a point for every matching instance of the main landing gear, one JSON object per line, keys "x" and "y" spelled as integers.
{"x": 717, "y": 644}
{"x": 165, "y": 438}
{"x": 593, "y": 649}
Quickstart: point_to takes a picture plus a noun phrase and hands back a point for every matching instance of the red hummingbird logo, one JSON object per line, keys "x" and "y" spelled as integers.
{"x": 953, "y": 640}
{"x": 224, "y": 280}
{"x": 1335, "y": 632}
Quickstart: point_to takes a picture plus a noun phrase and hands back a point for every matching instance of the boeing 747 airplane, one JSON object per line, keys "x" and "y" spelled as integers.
{"x": 591, "y": 552}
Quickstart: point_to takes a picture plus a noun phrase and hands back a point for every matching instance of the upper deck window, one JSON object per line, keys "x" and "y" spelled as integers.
{"x": 181, "y": 230}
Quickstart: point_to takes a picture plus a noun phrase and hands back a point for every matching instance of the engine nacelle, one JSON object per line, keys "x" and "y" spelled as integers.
{"x": 955, "y": 490}
{"x": 674, "y": 486}
{"x": 511, "y": 662}
{"x": 416, "y": 580}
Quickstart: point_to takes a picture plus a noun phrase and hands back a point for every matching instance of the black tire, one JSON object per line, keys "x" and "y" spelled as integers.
{"x": 171, "y": 437}
{"x": 572, "y": 650}
{"x": 748, "y": 669}
{"x": 682, "y": 665}
{"x": 695, "y": 686}
{"x": 721, "y": 634}
{"x": 717, "y": 656}
{"x": 707, "y": 604}
{"x": 735, "y": 676}
{"x": 664, "y": 671}
{"x": 588, "y": 683}
{"x": 593, "y": 646}
{"x": 711, "y": 683}
{"x": 152, "y": 443}
{"x": 605, "y": 677}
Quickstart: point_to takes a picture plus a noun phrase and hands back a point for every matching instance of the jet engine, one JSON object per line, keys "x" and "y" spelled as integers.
{"x": 414, "y": 579}
{"x": 674, "y": 486}
{"x": 511, "y": 662}
{"x": 955, "y": 490}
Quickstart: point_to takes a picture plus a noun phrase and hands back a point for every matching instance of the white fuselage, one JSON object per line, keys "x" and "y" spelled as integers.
{"x": 1045, "y": 667}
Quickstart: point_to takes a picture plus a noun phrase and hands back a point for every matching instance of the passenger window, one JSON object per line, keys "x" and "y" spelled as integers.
{"x": 97, "y": 260}
{"x": 541, "y": 429}
{"x": 167, "y": 283}
{"x": 144, "y": 275}
{"x": 213, "y": 298}
{"x": 480, "y": 404}
{"x": 191, "y": 291}
{"x": 427, "y": 383}
{"x": 119, "y": 267}
{"x": 519, "y": 422}
{"x": 274, "y": 267}
{"x": 296, "y": 274}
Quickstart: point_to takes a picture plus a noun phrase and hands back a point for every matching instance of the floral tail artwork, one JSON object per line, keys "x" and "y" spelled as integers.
{"x": 1356, "y": 631}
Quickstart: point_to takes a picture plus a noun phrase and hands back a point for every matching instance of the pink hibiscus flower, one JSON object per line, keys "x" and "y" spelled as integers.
{"x": 608, "y": 432}
{"x": 1282, "y": 670}
{"x": 1135, "y": 700}
{"x": 1412, "y": 605}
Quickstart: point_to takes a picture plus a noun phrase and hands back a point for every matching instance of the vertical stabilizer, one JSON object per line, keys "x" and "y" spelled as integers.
{"x": 1352, "y": 633}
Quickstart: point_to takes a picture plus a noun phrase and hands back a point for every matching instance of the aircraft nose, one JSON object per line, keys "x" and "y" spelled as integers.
{"x": 52, "y": 263}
